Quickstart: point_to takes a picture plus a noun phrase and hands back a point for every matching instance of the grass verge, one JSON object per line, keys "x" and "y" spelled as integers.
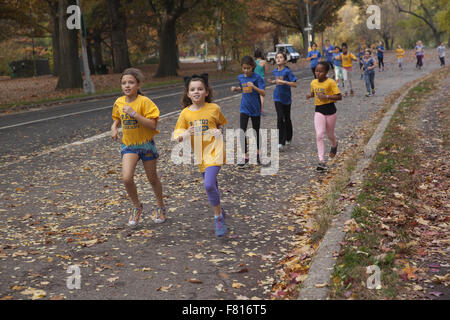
{"x": 385, "y": 209}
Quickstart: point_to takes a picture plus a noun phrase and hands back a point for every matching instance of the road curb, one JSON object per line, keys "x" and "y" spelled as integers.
{"x": 322, "y": 266}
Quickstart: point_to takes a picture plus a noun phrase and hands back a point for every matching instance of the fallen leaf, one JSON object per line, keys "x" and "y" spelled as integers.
{"x": 237, "y": 285}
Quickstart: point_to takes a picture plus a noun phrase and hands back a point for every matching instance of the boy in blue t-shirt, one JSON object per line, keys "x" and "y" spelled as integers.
{"x": 284, "y": 79}
{"x": 380, "y": 55}
{"x": 328, "y": 51}
{"x": 251, "y": 86}
{"x": 313, "y": 58}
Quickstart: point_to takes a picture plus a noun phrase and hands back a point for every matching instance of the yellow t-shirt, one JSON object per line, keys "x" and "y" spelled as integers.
{"x": 347, "y": 59}
{"x": 328, "y": 87}
{"x": 210, "y": 150}
{"x": 135, "y": 133}
{"x": 400, "y": 53}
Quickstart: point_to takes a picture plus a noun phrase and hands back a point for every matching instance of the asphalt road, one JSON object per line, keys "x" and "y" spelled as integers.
{"x": 27, "y": 134}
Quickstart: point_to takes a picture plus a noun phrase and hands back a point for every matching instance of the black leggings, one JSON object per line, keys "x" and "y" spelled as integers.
{"x": 256, "y": 124}
{"x": 284, "y": 123}
{"x": 380, "y": 62}
{"x": 314, "y": 72}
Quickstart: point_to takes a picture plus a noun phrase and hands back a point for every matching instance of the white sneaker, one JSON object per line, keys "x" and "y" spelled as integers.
{"x": 280, "y": 146}
{"x": 288, "y": 142}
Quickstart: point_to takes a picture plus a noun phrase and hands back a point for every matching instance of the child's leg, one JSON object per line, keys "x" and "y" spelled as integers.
{"x": 129, "y": 161}
{"x": 262, "y": 102}
{"x": 281, "y": 125}
{"x": 320, "y": 124}
{"x": 243, "y": 126}
{"x": 256, "y": 124}
{"x": 288, "y": 122}
{"x": 349, "y": 77}
{"x": 367, "y": 78}
{"x": 331, "y": 124}
{"x": 212, "y": 188}
{"x": 372, "y": 80}
{"x": 152, "y": 176}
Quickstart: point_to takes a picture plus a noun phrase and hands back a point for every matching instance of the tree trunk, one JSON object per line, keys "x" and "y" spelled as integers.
{"x": 53, "y": 6}
{"x": 98, "y": 59}
{"x": 167, "y": 49}
{"x": 69, "y": 67}
{"x": 118, "y": 36}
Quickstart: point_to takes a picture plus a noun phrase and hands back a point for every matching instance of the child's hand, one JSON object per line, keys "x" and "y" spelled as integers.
{"x": 235, "y": 89}
{"x": 250, "y": 84}
{"x": 215, "y": 132}
{"x": 189, "y": 132}
{"x": 309, "y": 95}
{"x": 114, "y": 133}
{"x": 128, "y": 110}
{"x": 279, "y": 81}
{"x": 321, "y": 96}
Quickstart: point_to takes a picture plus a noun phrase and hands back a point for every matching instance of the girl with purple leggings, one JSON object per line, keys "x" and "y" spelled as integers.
{"x": 201, "y": 121}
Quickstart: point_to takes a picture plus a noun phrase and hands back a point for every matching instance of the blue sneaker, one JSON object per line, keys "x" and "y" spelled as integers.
{"x": 219, "y": 223}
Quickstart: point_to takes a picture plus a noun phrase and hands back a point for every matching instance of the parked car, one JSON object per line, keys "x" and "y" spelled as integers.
{"x": 291, "y": 54}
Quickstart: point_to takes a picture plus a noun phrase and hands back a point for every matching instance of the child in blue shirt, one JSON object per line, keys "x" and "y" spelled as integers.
{"x": 284, "y": 79}
{"x": 251, "y": 86}
{"x": 338, "y": 72}
{"x": 313, "y": 58}
{"x": 380, "y": 55}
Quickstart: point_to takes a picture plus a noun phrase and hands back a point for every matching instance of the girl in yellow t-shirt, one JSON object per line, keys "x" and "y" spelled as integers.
{"x": 202, "y": 122}
{"x": 347, "y": 59}
{"x": 138, "y": 116}
{"x": 325, "y": 93}
{"x": 400, "y": 53}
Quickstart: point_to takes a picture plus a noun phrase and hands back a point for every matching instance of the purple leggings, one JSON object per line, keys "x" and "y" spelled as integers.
{"x": 211, "y": 185}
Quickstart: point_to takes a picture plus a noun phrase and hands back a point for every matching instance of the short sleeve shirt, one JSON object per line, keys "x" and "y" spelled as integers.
{"x": 313, "y": 63}
{"x": 134, "y": 133}
{"x": 251, "y": 102}
{"x": 328, "y": 87}
{"x": 209, "y": 117}
{"x": 282, "y": 92}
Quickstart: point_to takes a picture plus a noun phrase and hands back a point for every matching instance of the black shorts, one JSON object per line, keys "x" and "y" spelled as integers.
{"x": 327, "y": 109}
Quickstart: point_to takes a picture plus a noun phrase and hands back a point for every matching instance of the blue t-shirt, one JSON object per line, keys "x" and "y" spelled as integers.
{"x": 368, "y": 63}
{"x": 313, "y": 63}
{"x": 380, "y": 54}
{"x": 251, "y": 102}
{"x": 282, "y": 92}
{"x": 336, "y": 62}
{"x": 329, "y": 53}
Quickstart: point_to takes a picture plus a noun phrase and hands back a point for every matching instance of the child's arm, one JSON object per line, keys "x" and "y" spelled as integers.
{"x": 310, "y": 94}
{"x": 334, "y": 97}
{"x": 236, "y": 89}
{"x": 186, "y": 134}
{"x": 146, "y": 122}
{"x": 262, "y": 92}
{"x": 291, "y": 84}
{"x": 115, "y": 130}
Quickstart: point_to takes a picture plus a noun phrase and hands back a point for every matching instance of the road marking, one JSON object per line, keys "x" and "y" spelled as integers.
{"x": 96, "y": 137}
{"x": 86, "y": 111}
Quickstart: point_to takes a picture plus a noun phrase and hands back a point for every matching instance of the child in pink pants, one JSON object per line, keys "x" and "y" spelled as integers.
{"x": 326, "y": 92}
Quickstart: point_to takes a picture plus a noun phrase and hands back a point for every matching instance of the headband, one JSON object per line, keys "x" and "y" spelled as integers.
{"x": 203, "y": 76}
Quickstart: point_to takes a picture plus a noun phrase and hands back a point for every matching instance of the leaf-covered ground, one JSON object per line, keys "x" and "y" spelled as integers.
{"x": 401, "y": 222}
{"x": 70, "y": 208}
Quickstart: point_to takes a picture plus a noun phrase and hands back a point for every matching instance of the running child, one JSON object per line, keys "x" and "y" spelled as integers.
{"x": 201, "y": 121}
{"x": 369, "y": 66}
{"x": 361, "y": 57}
{"x": 441, "y": 51}
{"x": 325, "y": 93}
{"x": 284, "y": 80}
{"x": 380, "y": 55}
{"x": 339, "y": 75}
{"x": 400, "y": 54}
{"x": 419, "y": 54}
{"x": 138, "y": 116}
{"x": 252, "y": 87}
{"x": 260, "y": 69}
{"x": 313, "y": 57}
{"x": 328, "y": 51}
{"x": 347, "y": 59}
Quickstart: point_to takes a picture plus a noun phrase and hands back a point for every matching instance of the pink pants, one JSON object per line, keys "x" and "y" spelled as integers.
{"x": 324, "y": 124}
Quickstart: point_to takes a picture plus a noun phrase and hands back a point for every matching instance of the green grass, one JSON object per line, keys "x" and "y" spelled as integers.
{"x": 349, "y": 274}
